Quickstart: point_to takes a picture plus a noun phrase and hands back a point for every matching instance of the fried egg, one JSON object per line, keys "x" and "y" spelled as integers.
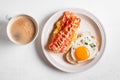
{"x": 84, "y": 48}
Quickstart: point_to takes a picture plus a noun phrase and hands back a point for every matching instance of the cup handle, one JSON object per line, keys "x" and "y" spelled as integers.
{"x": 8, "y": 18}
{"x": 5, "y": 16}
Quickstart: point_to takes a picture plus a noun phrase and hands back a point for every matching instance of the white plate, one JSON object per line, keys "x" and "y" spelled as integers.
{"x": 88, "y": 23}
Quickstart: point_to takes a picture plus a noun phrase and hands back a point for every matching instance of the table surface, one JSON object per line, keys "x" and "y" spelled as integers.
{"x": 28, "y": 62}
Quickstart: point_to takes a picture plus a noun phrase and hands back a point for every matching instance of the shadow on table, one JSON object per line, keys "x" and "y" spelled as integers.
{"x": 4, "y": 40}
{"x": 38, "y": 45}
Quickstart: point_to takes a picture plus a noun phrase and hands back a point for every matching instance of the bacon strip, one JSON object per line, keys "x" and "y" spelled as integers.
{"x": 62, "y": 41}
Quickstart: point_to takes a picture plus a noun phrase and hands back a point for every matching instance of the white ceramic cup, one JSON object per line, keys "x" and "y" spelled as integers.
{"x": 12, "y": 19}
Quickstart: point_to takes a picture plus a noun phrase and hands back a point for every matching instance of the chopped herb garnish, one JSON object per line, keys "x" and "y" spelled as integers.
{"x": 92, "y": 45}
{"x": 92, "y": 36}
{"x": 86, "y": 43}
{"x": 82, "y": 41}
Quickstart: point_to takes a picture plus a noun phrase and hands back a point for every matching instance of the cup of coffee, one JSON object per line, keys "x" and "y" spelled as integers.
{"x": 22, "y": 29}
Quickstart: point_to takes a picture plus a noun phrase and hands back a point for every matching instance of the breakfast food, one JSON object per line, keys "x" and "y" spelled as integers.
{"x": 22, "y": 29}
{"x": 66, "y": 39}
{"x": 84, "y": 48}
{"x": 65, "y": 33}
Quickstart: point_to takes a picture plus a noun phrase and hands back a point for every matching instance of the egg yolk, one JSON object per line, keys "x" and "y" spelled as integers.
{"x": 82, "y": 53}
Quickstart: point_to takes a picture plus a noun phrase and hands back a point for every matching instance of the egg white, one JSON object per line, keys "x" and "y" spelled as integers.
{"x": 87, "y": 40}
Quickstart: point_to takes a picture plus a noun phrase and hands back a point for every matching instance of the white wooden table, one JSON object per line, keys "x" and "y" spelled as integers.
{"x": 28, "y": 63}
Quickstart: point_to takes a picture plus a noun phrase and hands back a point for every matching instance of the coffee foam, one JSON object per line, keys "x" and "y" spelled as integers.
{"x": 22, "y": 29}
